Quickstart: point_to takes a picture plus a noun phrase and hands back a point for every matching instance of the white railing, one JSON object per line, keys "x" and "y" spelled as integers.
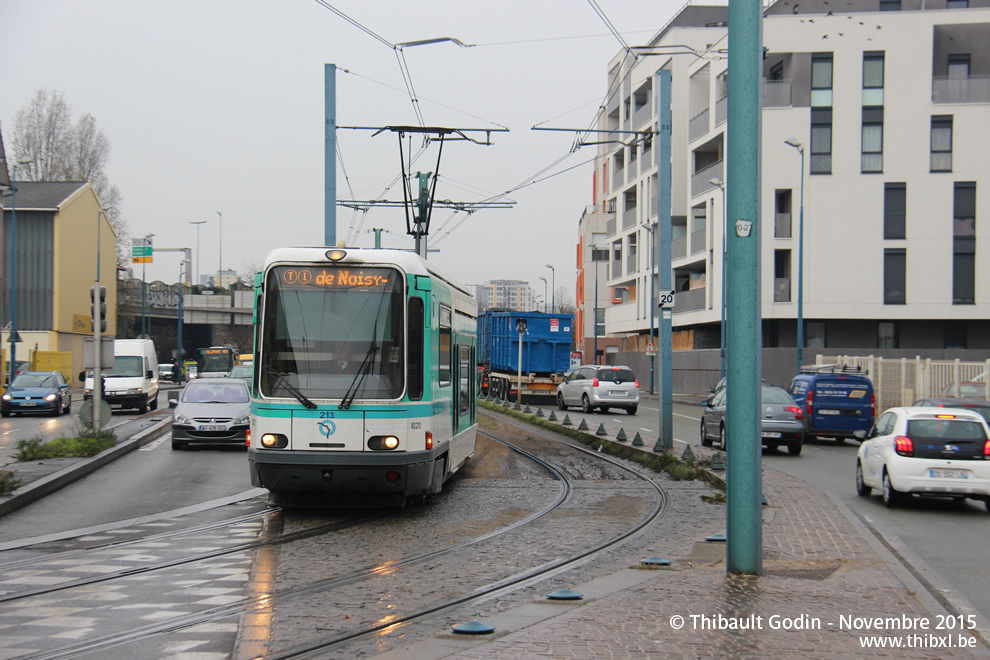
{"x": 901, "y": 382}
{"x": 975, "y": 89}
{"x": 698, "y": 125}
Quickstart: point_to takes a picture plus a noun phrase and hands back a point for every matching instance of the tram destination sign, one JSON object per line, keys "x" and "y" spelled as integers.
{"x": 334, "y": 278}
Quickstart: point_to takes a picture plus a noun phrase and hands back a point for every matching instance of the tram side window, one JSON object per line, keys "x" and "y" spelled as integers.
{"x": 445, "y": 345}
{"x": 464, "y": 377}
{"x": 415, "y": 349}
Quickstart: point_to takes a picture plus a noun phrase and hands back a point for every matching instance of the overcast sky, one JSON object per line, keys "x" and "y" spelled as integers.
{"x": 218, "y": 106}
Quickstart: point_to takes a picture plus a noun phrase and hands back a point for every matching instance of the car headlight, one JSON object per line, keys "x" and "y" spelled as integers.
{"x": 50, "y": 397}
{"x": 6, "y": 397}
{"x": 246, "y": 419}
{"x": 135, "y": 390}
{"x": 179, "y": 418}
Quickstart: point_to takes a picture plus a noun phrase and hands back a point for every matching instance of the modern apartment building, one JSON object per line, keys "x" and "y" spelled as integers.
{"x": 880, "y": 108}
{"x": 508, "y": 295}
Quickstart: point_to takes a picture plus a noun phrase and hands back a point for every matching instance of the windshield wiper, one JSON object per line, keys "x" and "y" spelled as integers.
{"x": 281, "y": 379}
{"x": 369, "y": 359}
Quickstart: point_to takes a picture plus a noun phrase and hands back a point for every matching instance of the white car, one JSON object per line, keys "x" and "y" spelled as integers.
{"x": 940, "y": 452}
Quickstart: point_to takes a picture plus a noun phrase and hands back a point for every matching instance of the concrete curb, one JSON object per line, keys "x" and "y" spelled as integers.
{"x": 36, "y": 490}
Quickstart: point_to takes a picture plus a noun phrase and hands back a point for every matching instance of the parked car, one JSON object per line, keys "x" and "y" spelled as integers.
{"x": 781, "y": 421}
{"x": 836, "y": 403}
{"x": 976, "y": 405}
{"x": 598, "y": 386}
{"x": 192, "y": 371}
{"x": 210, "y": 411}
{"x": 970, "y": 389}
{"x": 720, "y": 385}
{"x": 165, "y": 372}
{"x": 37, "y": 392}
{"x": 940, "y": 452}
{"x": 244, "y": 372}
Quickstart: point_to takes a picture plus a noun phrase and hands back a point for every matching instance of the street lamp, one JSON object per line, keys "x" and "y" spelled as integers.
{"x": 13, "y": 272}
{"x": 220, "y": 268}
{"x": 145, "y": 324}
{"x": 721, "y": 185}
{"x": 544, "y": 294}
{"x": 800, "y": 287}
{"x": 553, "y": 282}
{"x": 197, "y": 223}
{"x": 595, "y": 260}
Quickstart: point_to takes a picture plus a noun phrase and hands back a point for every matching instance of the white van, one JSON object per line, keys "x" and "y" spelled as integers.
{"x": 133, "y": 380}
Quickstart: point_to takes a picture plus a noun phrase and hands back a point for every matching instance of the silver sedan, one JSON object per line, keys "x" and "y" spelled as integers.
{"x": 781, "y": 421}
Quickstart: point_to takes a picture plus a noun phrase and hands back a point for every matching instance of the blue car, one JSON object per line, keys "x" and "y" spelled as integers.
{"x": 37, "y": 392}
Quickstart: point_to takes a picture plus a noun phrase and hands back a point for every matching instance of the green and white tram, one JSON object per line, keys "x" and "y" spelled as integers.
{"x": 364, "y": 388}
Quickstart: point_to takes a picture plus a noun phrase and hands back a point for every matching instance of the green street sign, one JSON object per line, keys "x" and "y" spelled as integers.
{"x": 141, "y": 251}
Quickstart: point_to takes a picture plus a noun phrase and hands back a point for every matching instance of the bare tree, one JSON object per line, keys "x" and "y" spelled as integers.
{"x": 58, "y": 150}
{"x": 248, "y": 270}
{"x": 562, "y": 300}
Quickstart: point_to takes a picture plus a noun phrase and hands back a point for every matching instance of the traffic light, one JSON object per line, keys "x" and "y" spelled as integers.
{"x": 98, "y": 295}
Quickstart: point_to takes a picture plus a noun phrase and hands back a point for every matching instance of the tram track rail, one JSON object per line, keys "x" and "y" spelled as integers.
{"x": 280, "y": 596}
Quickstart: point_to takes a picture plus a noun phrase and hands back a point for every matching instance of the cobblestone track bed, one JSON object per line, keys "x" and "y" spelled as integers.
{"x": 605, "y": 498}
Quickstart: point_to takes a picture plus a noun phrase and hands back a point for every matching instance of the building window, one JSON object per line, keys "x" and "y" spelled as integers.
{"x": 782, "y": 221}
{"x": 872, "y": 79}
{"x": 941, "y": 143}
{"x": 821, "y": 80}
{"x": 958, "y": 66}
{"x": 821, "y": 141}
{"x": 957, "y": 4}
{"x": 964, "y": 244}
{"x": 872, "y": 156}
{"x": 599, "y": 321}
{"x": 895, "y": 276}
{"x": 782, "y": 276}
{"x": 894, "y": 211}
{"x": 814, "y": 334}
{"x": 887, "y": 334}
{"x": 890, "y": 5}
{"x": 954, "y": 334}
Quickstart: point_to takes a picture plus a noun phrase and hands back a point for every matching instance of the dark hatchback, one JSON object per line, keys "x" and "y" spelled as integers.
{"x": 37, "y": 392}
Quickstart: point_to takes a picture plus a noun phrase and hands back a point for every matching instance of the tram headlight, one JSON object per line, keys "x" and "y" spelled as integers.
{"x": 336, "y": 255}
{"x": 274, "y": 441}
{"x": 383, "y": 442}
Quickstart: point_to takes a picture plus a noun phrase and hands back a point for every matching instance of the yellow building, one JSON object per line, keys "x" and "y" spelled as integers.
{"x": 61, "y": 236}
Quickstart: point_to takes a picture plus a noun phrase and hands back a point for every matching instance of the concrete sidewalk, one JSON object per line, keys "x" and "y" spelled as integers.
{"x": 829, "y": 589}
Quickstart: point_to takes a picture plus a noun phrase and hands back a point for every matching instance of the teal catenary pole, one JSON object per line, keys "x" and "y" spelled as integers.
{"x": 330, "y": 155}
{"x": 744, "y": 534}
{"x": 665, "y": 440}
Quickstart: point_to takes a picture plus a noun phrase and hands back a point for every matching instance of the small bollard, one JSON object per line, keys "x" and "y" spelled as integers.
{"x": 717, "y": 462}
{"x": 583, "y": 426}
{"x": 565, "y": 594}
{"x": 539, "y": 412}
{"x": 601, "y": 430}
{"x": 567, "y": 421}
{"x": 473, "y": 628}
{"x": 552, "y": 417}
{"x": 654, "y": 561}
{"x": 621, "y": 437}
{"x": 688, "y": 455}
{"x": 528, "y": 410}
{"x": 638, "y": 442}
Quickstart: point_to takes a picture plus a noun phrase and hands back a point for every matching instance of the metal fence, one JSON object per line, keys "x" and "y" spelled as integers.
{"x": 901, "y": 382}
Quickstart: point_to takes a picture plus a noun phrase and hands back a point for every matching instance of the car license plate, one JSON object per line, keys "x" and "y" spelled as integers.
{"x": 948, "y": 474}
{"x": 616, "y": 393}
{"x": 829, "y": 412}
{"x": 28, "y": 403}
{"x": 770, "y": 434}
{"x": 212, "y": 427}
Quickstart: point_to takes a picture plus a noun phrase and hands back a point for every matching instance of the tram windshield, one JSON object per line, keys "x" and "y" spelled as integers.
{"x": 333, "y": 331}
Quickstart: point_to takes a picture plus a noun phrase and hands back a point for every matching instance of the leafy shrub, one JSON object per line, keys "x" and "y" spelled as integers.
{"x": 8, "y": 482}
{"x": 86, "y": 444}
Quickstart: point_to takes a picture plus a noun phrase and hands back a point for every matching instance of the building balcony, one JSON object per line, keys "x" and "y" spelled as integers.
{"x": 975, "y": 89}
{"x": 642, "y": 115}
{"x": 678, "y": 248}
{"x": 782, "y": 225}
{"x": 629, "y": 217}
{"x": 776, "y": 93}
{"x": 698, "y": 241}
{"x": 721, "y": 110}
{"x": 625, "y": 318}
{"x": 698, "y": 125}
{"x": 610, "y": 226}
{"x": 691, "y": 300}
{"x": 700, "y": 179}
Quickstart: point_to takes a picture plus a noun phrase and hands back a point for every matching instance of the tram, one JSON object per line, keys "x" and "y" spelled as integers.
{"x": 364, "y": 389}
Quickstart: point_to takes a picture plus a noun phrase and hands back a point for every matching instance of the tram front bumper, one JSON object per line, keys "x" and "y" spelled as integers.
{"x": 341, "y": 472}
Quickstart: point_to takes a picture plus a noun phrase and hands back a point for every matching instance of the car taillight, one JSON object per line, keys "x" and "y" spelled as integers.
{"x": 986, "y": 449}
{"x": 873, "y": 405}
{"x": 594, "y": 383}
{"x": 637, "y": 383}
{"x": 903, "y": 446}
{"x": 808, "y": 403}
{"x": 794, "y": 410}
